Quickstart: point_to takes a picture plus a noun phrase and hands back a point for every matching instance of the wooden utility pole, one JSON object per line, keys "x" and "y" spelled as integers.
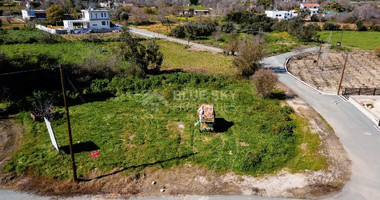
{"x": 341, "y": 77}
{"x": 68, "y": 125}
{"x": 319, "y": 54}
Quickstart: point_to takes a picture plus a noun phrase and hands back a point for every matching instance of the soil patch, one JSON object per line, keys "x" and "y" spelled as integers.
{"x": 362, "y": 70}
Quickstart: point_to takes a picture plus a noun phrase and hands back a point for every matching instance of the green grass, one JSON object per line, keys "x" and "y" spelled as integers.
{"x": 280, "y": 42}
{"x": 136, "y": 129}
{"x": 195, "y": 7}
{"x": 176, "y": 56}
{"x": 67, "y": 52}
{"x": 367, "y": 40}
{"x": 308, "y": 147}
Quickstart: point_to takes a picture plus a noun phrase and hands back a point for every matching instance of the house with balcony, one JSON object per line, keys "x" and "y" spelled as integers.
{"x": 313, "y": 8}
{"x": 91, "y": 19}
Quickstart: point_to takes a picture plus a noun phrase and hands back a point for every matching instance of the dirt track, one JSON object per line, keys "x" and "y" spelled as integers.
{"x": 10, "y": 134}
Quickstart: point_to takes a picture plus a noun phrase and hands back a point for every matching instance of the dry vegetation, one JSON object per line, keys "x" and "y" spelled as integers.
{"x": 362, "y": 70}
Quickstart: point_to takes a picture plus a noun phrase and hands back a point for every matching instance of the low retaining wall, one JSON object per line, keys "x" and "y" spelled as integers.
{"x": 51, "y": 30}
{"x": 364, "y": 111}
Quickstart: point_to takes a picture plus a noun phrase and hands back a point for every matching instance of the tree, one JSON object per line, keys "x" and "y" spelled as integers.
{"x": 250, "y": 53}
{"x": 55, "y": 13}
{"x": 141, "y": 59}
{"x": 194, "y": 2}
{"x": 265, "y": 81}
{"x": 153, "y": 56}
{"x": 360, "y": 26}
{"x": 233, "y": 44}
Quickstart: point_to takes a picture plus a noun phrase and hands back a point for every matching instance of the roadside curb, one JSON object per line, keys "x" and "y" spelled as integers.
{"x": 362, "y": 109}
{"x": 352, "y": 101}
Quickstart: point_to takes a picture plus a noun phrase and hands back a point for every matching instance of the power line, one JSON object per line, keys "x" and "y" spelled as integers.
{"x": 19, "y": 72}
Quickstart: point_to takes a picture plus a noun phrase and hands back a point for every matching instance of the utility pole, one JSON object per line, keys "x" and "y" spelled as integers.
{"x": 68, "y": 125}
{"x": 319, "y": 54}
{"x": 341, "y": 77}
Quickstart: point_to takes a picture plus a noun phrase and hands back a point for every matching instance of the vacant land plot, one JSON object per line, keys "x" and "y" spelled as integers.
{"x": 362, "y": 70}
{"x": 11, "y": 22}
{"x": 176, "y": 56}
{"x": 367, "y": 40}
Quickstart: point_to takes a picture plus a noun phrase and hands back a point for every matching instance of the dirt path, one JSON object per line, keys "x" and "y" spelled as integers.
{"x": 10, "y": 134}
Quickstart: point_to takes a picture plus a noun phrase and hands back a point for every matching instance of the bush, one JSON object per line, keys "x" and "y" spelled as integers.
{"x": 331, "y": 26}
{"x": 228, "y": 27}
{"x": 377, "y": 51}
{"x": 376, "y": 28}
{"x": 178, "y": 32}
{"x": 265, "y": 82}
{"x": 360, "y": 26}
{"x": 193, "y": 29}
{"x": 251, "y": 52}
{"x": 314, "y": 18}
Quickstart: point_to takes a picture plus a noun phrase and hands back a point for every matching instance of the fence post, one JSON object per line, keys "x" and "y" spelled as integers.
{"x": 374, "y": 92}
{"x": 359, "y": 90}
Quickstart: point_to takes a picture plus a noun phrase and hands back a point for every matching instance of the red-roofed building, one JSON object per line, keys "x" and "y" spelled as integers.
{"x": 312, "y": 7}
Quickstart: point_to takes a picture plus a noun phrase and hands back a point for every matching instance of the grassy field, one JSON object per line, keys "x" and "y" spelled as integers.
{"x": 367, "y": 40}
{"x": 156, "y": 128}
{"x": 68, "y": 53}
{"x": 176, "y": 56}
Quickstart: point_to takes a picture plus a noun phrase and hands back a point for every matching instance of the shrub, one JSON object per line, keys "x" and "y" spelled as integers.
{"x": 228, "y": 27}
{"x": 251, "y": 52}
{"x": 376, "y": 28}
{"x": 193, "y": 29}
{"x": 360, "y": 26}
{"x": 377, "y": 51}
{"x": 331, "y": 26}
{"x": 265, "y": 81}
{"x": 314, "y": 18}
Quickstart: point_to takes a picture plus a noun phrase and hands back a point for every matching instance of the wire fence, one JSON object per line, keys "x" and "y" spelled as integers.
{"x": 361, "y": 91}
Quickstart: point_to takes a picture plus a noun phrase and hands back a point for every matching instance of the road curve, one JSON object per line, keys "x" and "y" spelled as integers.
{"x": 356, "y": 132}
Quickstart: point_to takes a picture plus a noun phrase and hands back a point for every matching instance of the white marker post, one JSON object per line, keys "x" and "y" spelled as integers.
{"x": 51, "y": 134}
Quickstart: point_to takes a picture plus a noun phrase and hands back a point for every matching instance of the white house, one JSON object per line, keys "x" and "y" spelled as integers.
{"x": 91, "y": 19}
{"x": 312, "y": 7}
{"x": 28, "y": 14}
{"x": 280, "y": 14}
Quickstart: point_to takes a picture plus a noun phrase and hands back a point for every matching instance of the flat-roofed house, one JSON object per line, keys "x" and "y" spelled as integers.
{"x": 91, "y": 19}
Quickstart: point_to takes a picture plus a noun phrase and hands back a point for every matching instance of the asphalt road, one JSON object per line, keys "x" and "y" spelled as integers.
{"x": 149, "y": 34}
{"x": 356, "y": 132}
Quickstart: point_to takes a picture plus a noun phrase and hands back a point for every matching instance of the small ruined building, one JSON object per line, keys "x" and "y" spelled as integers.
{"x": 312, "y": 7}
{"x": 91, "y": 19}
{"x": 281, "y": 14}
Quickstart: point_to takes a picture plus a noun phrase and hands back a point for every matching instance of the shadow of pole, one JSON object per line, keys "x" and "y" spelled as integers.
{"x": 137, "y": 166}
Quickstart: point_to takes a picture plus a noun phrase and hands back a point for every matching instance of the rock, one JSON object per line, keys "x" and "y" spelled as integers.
{"x": 162, "y": 190}
{"x": 153, "y": 182}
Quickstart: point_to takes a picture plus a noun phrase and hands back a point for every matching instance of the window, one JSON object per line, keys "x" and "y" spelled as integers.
{"x": 101, "y": 14}
{"x": 107, "y": 22}
{"x": 94, "y": 25}
{"x": 103, "y": 23}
